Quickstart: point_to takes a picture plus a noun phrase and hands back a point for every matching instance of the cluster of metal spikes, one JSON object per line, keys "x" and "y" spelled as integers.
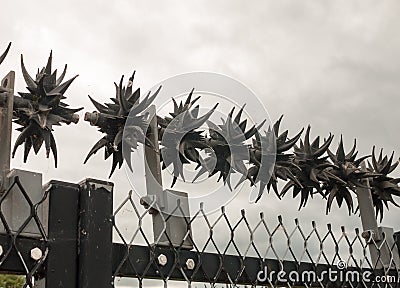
{"x": 305, "y": 167}
{"x": 40, "y": 108}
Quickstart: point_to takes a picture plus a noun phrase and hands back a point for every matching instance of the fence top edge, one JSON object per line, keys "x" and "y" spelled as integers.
{"x": 99, "y": 182}
{"x": 61, "y": 183}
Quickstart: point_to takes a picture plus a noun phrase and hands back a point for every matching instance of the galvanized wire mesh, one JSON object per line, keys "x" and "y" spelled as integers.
{"x": 23, "y": 235}
{"x": 232, "y": 249}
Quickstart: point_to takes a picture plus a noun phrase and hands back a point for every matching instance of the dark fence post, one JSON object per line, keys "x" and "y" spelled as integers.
{"x": 95, "y": 234}
{"x": 62, "y": 260}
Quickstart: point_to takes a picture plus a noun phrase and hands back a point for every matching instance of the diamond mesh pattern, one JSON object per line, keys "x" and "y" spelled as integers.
{"x": 232, "y": 251}
{"x": 22, "y": 252}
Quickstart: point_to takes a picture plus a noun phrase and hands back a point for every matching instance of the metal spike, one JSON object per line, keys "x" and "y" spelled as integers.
{"x": 48, "y": 65}
{"x": 3, "y": 56}
{"x": 61, "y": 78}
{"x": 28, "y": 79}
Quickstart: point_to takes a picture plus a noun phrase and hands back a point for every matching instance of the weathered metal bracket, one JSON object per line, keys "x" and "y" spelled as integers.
{"x": 6, "y": 114}
{"x": 380, "y": 240}
{"x": 15, "y": 206}
{"x": 169, "y": 229}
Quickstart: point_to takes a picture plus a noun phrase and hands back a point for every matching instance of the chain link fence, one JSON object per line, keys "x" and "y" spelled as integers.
{"x": 72, "y": 237}
{"x": 232, "y": 250}
{"x": 23, "y": 239}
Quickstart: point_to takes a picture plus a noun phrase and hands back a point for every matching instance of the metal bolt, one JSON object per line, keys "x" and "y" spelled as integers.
{"x": 36, "y": 253}
{"x": 162, "y": 260}
{"x": 366, "y": 234}
{"x": 190, "y": 264}
{"x": 1, "y": 250}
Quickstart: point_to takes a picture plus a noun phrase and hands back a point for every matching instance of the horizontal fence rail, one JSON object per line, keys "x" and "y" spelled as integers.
{"x": 142, "y": 262}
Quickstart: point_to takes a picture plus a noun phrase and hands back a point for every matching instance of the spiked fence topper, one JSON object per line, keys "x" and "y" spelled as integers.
{"x": 38, "y": 110}
{"x": 311, "y": 168}
{"x": 111, "y": 119}
{"x": 308, "y": 168}
{"x": 309, "y": 158}
{"x": 179, "y": 136}
{"x": 383, "y": 187}
{"x": 261, "y": 157}
{"x": 228, "y": 149}
{"x": 348, "y": 176}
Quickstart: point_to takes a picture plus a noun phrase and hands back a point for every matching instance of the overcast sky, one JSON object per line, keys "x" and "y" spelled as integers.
{"x": 332, "y": 64}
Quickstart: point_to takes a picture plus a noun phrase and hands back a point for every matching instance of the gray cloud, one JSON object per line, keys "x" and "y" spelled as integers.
{"x": 334, "y": 65}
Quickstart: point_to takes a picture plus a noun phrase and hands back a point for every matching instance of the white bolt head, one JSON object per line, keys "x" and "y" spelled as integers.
{"x": 1, "y": 250}
{"x": 162, "y": 260}
{"x": 36, "y": 253}
{"x": 190, "y": 264}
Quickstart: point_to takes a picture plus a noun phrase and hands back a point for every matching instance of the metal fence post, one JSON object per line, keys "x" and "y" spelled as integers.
{"x": 6, "y": 113}
{"x": 167, "y": 229}
{"x": 381, "y": 258}
{"x": 62, "y": 261}
{"x": 95, "y": 234}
